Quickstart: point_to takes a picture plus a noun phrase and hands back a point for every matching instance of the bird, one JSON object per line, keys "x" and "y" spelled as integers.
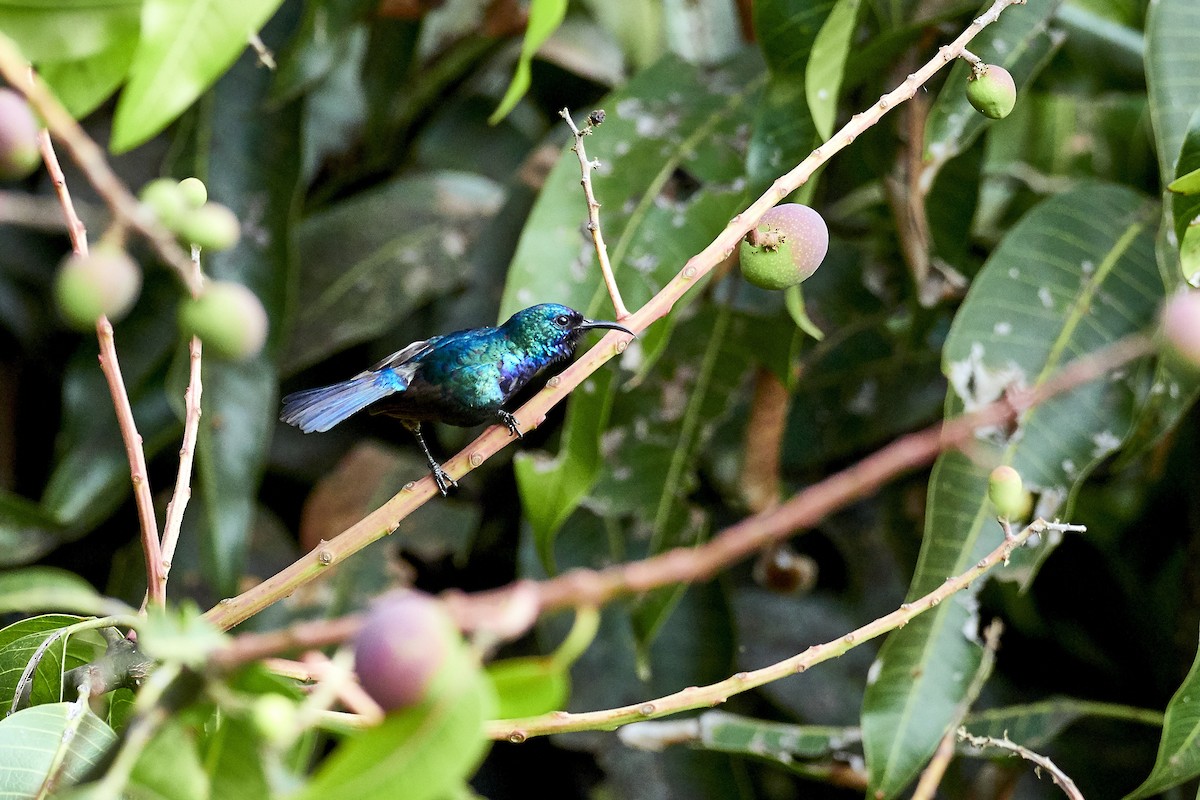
{"x": 464, "y": 378}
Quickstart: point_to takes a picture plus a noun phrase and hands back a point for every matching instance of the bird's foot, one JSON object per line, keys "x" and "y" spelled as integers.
{"x": 442, "y": 478}
{"x": 510, "y": 422}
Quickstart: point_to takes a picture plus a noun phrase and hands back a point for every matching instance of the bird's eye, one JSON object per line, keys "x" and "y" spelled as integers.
{"x": 562, "y": 320}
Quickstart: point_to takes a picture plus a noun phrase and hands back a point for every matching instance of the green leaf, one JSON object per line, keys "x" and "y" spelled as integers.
{"x": 368, "y": 262}
{"x": 1178, "y": 757}
{"x": 1172, "y": 29}
{"x": 1020, "y": 42}
{"x": 552, "y": 487}
{"x": 184, "y": 48}
{"x": 1186, "y": 205}
{"x": 20, "y": 642}
{"x": 54, "y": 30}
{"x": 169, "y": 767}
{"x": 827, "y": 64}
{"x": 232, "y": 756}
{"x": 1186, "y": 184}
{"x": 27, "y": 530}
{"x": 84, "y": 84}
{"x": 783, "y": 131}
{"x": 239, "y": 402}
{"x": 42, "y": 588}
{"x": 544, "y": 18}
{"x": 419, "y": 753}
{"x": 1075, "y": 274}
{"x": 31, "y": 738}
{"x": 1036, "y": 725}
{"x": 528, "y": 686}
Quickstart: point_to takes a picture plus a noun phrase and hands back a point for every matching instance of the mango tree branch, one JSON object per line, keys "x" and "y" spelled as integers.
{"x": 147, "y": 524}
{"x": 518, "y": 730}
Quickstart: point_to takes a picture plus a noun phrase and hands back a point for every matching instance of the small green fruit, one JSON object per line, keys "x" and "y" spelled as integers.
{"x": 992, "y": 91}
{"x": 1006, "y": 492}
{"x": 19, "y": 155}
{"x": 194, "y": 192}
{"x": 166, "y": 200}
{"x": 211, "y": 227}
{"x": 104, "y": 283}
{"x": 1179, "y": 329}
{"x": 274, "y": 718}
{"x": 228, "y": 317}
{"x": 785, "y": 248}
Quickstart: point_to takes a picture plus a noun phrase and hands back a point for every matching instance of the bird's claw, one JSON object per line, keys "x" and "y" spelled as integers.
{"x": 510, "y": 422}
{"x": 442, "y": 479}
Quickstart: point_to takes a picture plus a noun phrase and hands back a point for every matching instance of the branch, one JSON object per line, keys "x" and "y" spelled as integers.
{"x": 187, "y": 450}
{"x": 1060, "y": 778}
{"x": 593, "y": 226}
{"x": 90, "y": 158}
{"x": 386, "y": 518}
{"x": 518, "y": 730}
{"x": 111, "y": 367}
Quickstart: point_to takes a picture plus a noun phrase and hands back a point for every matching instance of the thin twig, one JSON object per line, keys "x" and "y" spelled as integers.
{"x": 593, "y": 226}
{"x": 111, "y": 367}
{"x": 90, "y": 158}
{"x": 931, "y": 776}
{"x": 518, "y": 730}
{"x": 187, "y": 450}
{"x": 1060, "y": 778}
{"x": 386, "y": 518}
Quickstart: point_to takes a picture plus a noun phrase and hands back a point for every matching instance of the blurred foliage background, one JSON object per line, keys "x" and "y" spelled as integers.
{"x": 379, "y": 206}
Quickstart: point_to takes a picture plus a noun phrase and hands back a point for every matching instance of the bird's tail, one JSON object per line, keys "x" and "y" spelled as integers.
{"x": 320, "y": 409}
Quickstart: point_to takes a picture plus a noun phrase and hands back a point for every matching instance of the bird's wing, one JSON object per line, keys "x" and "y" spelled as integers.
{"x": 405, "y": 356}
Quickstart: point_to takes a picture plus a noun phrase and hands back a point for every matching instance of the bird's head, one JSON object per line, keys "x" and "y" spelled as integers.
{"x": 552, "y": 328}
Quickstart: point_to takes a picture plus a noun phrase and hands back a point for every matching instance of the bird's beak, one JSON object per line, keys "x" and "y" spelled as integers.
{"x": 589, "y": 324}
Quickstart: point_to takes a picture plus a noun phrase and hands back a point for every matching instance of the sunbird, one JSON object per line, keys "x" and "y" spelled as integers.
{"x": 463, "y": 378}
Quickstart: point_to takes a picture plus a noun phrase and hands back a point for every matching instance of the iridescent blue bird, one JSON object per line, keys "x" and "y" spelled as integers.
{"x": 464, "y": 378}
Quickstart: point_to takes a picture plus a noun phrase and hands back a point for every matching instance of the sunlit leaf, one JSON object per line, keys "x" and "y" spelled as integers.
{"x": 31, "y": 738}
{"x": 826, "y": 63}
{"x": 544, "y": 18}
{"x": 184, "y": 48}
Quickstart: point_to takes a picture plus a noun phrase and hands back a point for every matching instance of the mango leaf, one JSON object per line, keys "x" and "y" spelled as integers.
{"x": 544, "y": 18}
{"x": 1172, "y": 27}
{"x": 1186, "y": 205}
{"x": 30, "y": 739}
{"x": 1020, "y": 42}
{"x": 783, "y": 131}
{"x": 1178, "y": 758}
{"x": 258, "y": 153}
{"x": 528, "y": 686}
{"x": 61, "y": 31}
{"x": 370, "y": 261}
{"x": 420, "y": 752}
{"x": 1036, "y": 725}
{"x": 49, "y": 588}
{"x": 552, "y": 487}
{"x": 233, "y": 761}
{"x": 84, "y": 84}
{"x": 1186, "y": 184}
{"x": 184, "y": 48}
{"x": 19, "y": 643}
{"x": 27, "y": 530}
{"x": 169, "y": 766}
{"x": 827, "y": 63}
{"x": 1075, "y": 274}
